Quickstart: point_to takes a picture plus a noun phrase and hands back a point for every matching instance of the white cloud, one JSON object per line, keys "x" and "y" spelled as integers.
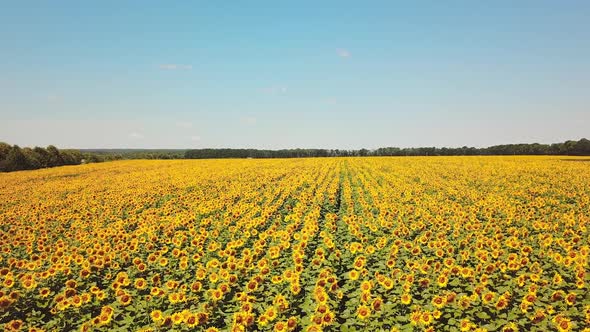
{"x": 135, "y": 135}
{"x": 195, "y": 138}
{"x": 249, "y": 120}
{"x": 343, "y": 53}
{"x": 175, "y": 66}
{"x": 331, "y": 101}
{"x": 273, "y": 90}
{"x": 184, "y": 124}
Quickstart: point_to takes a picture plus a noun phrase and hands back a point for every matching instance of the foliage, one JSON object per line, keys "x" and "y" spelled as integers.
{"x": 13, "y": 158}
{"x": 581, "y": 148}
{"x": 117, "y": 154}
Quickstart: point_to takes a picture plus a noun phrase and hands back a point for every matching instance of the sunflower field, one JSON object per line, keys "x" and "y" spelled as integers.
{"x": 324, "y": 244}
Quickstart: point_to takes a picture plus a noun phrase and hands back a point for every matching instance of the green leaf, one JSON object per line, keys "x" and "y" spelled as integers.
{"x": 483, "y": 315}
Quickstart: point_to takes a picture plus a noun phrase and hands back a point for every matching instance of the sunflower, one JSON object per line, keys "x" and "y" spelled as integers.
{"x": 246, "y": 307}
{"x": 176, "y": 318}
{"x": 262, "y": 320}
{"x": 557, "y": 295}
{"x": 5, "y": 302}
{"x": 216, "y": 295}
{"x": 224, "y": 288}
{"x": 14, "y": 325}
{"x": 77, "y": 301}
{"x": 271, "y": 314}
{"x": 387, "y": 283}
{"x": 29, "y": 284}
{"x": 174, "y": 298}
{"x": 502, "y": 303}
{"x": 415, "y": 318}
{"x": 104, "y": 318}
{"x": 529, "y": 298}
{"x": 406, "y": 298}
{"x": 281, "y": 302}
{"x": 510, "y": 327}
{"x": 314, "y": 328}
{"x": 63, "y": 305}
{"x": 487, "y": 297}
{"x": 71, "y": 283}
{"x": 442, "y": 281}
{"x": 466, "y": 325}
{"x": 439, "y": 301}
{"x": 171, "y": 284}
{"x": 281, "y": 327}
{"x": 191, "y": 320}
{"x": 213, "y": 277}
{"x": 436, "y": 314}
{"x": 252, "y": 285}
{"x": 85, "y": 327}
{"x": 291, "y": 323}
{"x": 322, "y": 308}
{"x": 44, "y": 292}
{"x": 464, "y": 302}
{"x": 140, "y": 283}
{"x": 317, "y": 319}
{"x": 8, "y": 282}
{"x": 564, "y": 325}
{"x": 390, "y": 263}
{"x": 295, "y": 288}
{"x": 84, "y": 273}
{"x": 363, "y": 312}
{"x": 196, "y": 286}
{"x": 377, "y": 304}
{"x": 359, "y": 262}
{"x": 328, "y": 318}
{"x": 426, "y": 318}
{"x": 557, "y": 279}
{"x": 163, "y": 261}
{"x": 125, "y": 299}
{"x": 366, "y": 286}
{"x": 538, "y": 317}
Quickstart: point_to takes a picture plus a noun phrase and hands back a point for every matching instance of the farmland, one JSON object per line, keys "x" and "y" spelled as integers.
{"x": 332, "y": 244}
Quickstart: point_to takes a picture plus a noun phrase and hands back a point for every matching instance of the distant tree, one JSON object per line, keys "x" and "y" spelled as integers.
{"x": 581, "y": 147}
{"x": 4, "y": 149}
{"x": 42, "y": 156}
{"x": 55, "y": 158}
{"x": 15, "y": 160}
{"x": 568, "y": 147}
{"x": 32, "y": 158}
{"x": 71, "y": 157}
{"x": 557, "y": 149}
{"x": 67, "y": 158}
{"x": 92, "y": 158}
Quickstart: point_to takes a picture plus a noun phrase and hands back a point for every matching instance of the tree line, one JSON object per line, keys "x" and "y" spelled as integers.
{"x": 136, "y": 153}
{"x": 15, "y": 158}
{"x": 577, "y": 148}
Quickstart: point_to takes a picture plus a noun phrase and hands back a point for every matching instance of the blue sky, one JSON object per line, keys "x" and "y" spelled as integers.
{"x": 329, "y": 74}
